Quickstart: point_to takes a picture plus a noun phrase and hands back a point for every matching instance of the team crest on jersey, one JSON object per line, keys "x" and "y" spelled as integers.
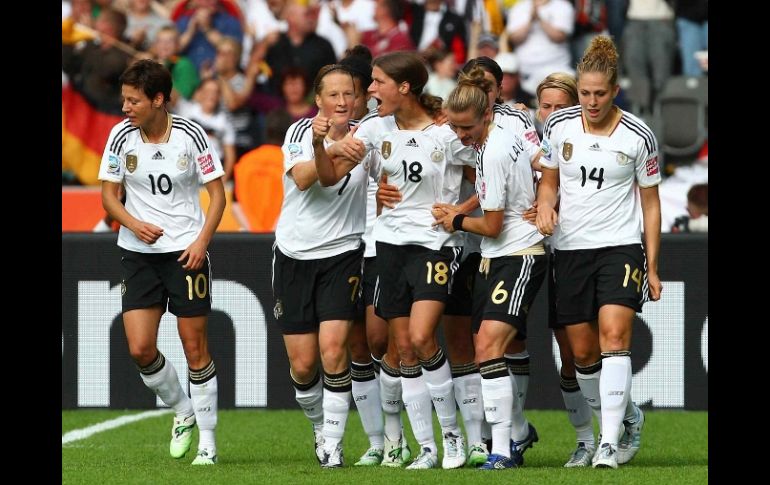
{"x": 278, "y": 309}
{"x": 566, "y": 151}
{"x": 385, "y": 149}
{"x": 181, "y": 164}
{"x": 622, "y": 158}
{"x": 437, "y": 155}
{"x": 131, "y": 162}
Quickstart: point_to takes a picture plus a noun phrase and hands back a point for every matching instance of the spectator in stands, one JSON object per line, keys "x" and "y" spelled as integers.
{"x": 295, "y": 88}
{"x": 435, "y": 25}
{"x": 649, "y": 42}
{"x": 162, "y": 159}
{"x": 258, "y": 176}
{"x": 94, "y": 67}
{"x": 487, "y": 45}
{"x": 298, "y": 46}
{"x": 510, "y": 88}
{"x": 202, "y": 27}
{"x": 540, "y": 31}
{"x": 697, "y": 219}
{"x": 165, "y": 50}
{"x": 603, "y": 273}
{"x": 390, "y": 35}
{"x": 443, "y": 72}
{"x": 692, "y": 25}
{"x": 143, "y": 24}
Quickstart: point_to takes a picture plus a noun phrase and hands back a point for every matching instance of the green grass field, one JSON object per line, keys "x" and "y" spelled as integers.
{"x": 261, "y": 446}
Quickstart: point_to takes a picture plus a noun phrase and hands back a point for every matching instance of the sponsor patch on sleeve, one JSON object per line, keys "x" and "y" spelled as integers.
{"x": 546, "y": 149}
{"x": 206, "y": 163}
{"x": 113, "y": 165}
{"x": 652, "y": 166}
{"x": 295, "y": 150}
{"x": 532, "y": 137}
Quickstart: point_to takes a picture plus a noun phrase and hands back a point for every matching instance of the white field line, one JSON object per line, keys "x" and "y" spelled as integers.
{"x": 83, "y": 433}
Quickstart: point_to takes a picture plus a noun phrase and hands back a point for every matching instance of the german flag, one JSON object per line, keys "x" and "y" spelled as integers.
{"x": 84, "y": 132}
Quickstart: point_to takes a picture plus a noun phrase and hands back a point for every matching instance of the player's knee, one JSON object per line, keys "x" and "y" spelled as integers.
{"x": 334, "y": 354}
{"x": 143, "y": 355}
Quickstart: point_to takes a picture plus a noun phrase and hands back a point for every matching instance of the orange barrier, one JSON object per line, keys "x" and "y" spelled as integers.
{"x": 259, "y": 186}
{"x": 81, "y": 209}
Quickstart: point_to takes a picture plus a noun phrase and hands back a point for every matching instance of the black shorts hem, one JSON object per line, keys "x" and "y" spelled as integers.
{"x": 339, "y": 315}
{"x": 458, "y": 313}
{"x": 575, "y": 320}
{"x": 632, "y": 304}
{"x": 512, "y": 320}
{"x": 191, "y": 312}
{"x": 442, "y": 297}
{"x": 140, "y": 306}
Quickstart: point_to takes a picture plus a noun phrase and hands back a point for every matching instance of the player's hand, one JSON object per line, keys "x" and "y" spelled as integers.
{"x": 530, "y": 215}
{"x": 446, "y": 219}
{"x": 349, "y": 147}
{"x": 321, "y": 125}
{"x": 440, "y": 209}
{"x": 387, "y": 195}
{"x": 147, "y": 233}
{"x": 546, "y": 221}
{"x": 194, "y": 254}
{"x": 656, "y": 287}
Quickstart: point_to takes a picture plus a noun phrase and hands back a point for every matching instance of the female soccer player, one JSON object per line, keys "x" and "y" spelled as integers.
{"x": 161, "y": 159}
{"x": 605, "y": 160}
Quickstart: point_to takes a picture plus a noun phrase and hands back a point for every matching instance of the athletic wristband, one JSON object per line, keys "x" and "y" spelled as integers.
{"x": 457, "y": 222}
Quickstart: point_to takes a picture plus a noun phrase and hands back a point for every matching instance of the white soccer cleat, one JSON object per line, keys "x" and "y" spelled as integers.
{"x": 205, "y": 457}
{"x": 424, "y": 461}
{"x": 581, "y": 457}
{"x": 606, "y": 457}
{"x": 372, "y": 457}
{"x": 454, "y": 451}
{"x": 181, "y": 436}
{"x": 319, "y": 444}
{"x": 631, "y": 440}
{"x": 333, "y": 459}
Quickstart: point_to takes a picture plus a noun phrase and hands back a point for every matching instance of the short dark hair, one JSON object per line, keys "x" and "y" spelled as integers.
{"x": 149, "y": 76}
{"x": 277, "y": 123}
{"x": 358, "y": 61}
{"x": 296, "y": 72}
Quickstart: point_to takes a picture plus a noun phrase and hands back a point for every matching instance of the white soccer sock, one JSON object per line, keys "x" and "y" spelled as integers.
{"x": 438, "y": 379}
{"x": 418, "y": 405}
{"x": 578, "y": 412}
{"x": 467, "y": 381}
{"x": 615, "y": 386}
{"x": 390, "y": 398}
{"x": 518, "y": 367}
{"x": 161, "y": 377}
{"x": 366, "y": 395}
{"x": 309, "y": 396}
{"x": 497, "y": 389}
{"x": 203, "y": 392}
{"x": 336, "y": 406}
{"x": 588, "y": 380}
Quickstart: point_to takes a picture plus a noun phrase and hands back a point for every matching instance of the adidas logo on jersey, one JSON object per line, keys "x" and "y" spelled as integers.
{"x": 412, "y": 143}
{"x": 158, "y": 156}
{"x": 595, "y": 147}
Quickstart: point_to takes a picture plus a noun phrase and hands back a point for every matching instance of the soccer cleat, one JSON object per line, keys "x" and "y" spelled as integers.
{"x": 477, "y": 454}
{"x": 333, "y": 459}
{"x": 406, "y": 452}
{"x": 372, "y": 457}
{"x": 497, "y": 462}
{"x": 181, "y": 436}
{"x": 631, "y": 440}
{"x": 424, "y": 461}
{"x": 454, "y": 451}
{"x": 581, "y": 457}
{"x": 319, "y": 444}
{"x": 396, "y": 453}
{"x": 205, "y": 457}
{"x": 606, "y": 457}
{"x": 519, "y": 447}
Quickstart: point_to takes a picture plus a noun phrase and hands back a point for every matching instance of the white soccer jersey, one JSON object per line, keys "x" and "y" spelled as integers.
{"x": 426, "y": 167}
{"x": 162, "y": 181}
{"x": 520, "y": 123}
{"x": 319, "y": 222}
{"x": 505, "y": 181}
{"x": 598, "y": 177}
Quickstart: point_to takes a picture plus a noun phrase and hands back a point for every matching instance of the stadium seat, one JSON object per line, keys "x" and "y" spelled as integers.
{"x": 681, "y": 112}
